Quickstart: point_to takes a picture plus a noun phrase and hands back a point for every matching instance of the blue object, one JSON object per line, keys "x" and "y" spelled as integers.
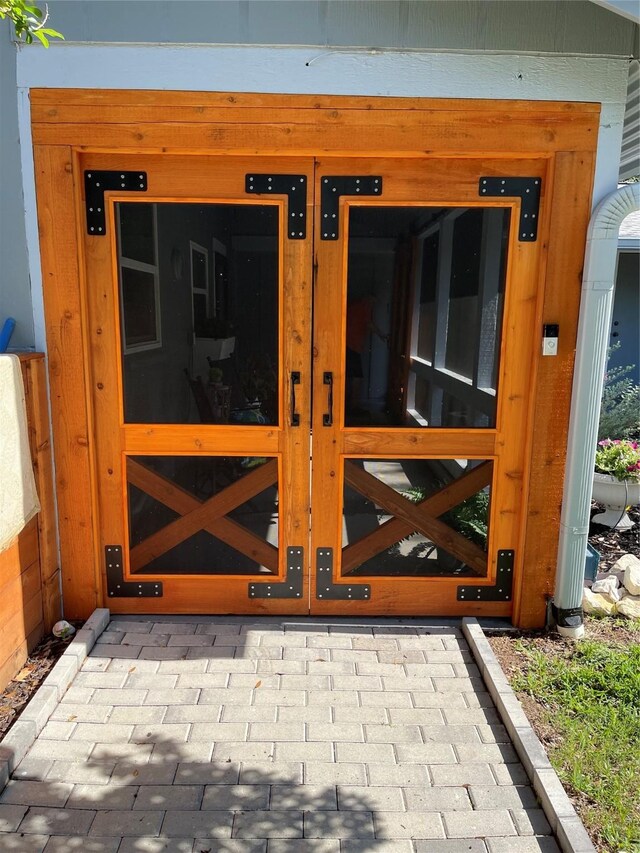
{"x": 5, "y": 334}
{"x": 591, "y": 562}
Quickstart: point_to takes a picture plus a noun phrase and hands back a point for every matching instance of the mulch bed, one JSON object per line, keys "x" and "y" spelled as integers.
{"x": 612, "y": 544}
{"x": 17, "y": 693}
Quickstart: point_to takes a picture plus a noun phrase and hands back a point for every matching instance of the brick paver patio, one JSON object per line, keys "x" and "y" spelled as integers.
{"x": 212, "y": 735}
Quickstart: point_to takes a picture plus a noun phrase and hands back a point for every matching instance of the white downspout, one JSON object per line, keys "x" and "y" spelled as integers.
{"x": 590, "y": 365}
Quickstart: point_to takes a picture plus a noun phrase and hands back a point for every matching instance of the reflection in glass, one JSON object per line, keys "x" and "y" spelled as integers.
{"x": 239, "y": 538}
{"x": 424, "y": 315}
{"x": 416, "y": 517}
{"x": 199, "y": 287}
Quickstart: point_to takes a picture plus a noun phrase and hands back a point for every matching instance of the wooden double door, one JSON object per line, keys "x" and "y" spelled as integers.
{"x": 311, "y": 381}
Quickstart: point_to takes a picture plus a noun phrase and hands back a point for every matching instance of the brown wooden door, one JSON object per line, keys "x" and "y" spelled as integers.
{"x": 424, "y": 338}
{"x": 199, "y": 307}
{"x": 209, "y": 452}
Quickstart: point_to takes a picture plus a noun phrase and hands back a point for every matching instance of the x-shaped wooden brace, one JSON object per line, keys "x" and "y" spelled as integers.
{"x": 411, "y": 517}
{"x": 203, "y": 515}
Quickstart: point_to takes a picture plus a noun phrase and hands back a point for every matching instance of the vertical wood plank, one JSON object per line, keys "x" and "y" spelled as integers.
{"x": 34, "y": 373}
{"x": 570, "y": 214}
{"x": 64, "y": 324}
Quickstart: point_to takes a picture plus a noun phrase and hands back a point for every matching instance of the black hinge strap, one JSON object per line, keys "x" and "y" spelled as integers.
{"x": 332, "y": 187}
{"x": 294, "y": 187}
{"x": 95, "y": 185}
{"x": 291, "y": 587}
{"x": 117, "y": 587}
{"x": 528, "y": 190}
{"x": 327, "y": 589}
{"x": 504, "y": 582}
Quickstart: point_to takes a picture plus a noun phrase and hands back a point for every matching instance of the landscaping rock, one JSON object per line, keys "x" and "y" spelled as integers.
{"x": 630, "y": 565}
{"x": 609, "y": 586}
{"x": 629, "y": 606}
{"x": 596, "y": 604}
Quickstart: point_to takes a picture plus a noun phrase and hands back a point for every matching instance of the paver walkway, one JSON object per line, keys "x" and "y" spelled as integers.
{"x": 198, "y": 735}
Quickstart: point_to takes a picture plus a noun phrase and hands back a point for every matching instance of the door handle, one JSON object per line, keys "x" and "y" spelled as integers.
{"x": 327, "y": 379}
{"x": 295, "y": 380}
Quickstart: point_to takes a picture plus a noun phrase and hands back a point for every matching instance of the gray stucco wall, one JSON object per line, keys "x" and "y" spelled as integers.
{"x": 555, "y": 26}
{"x": 15, "y": 291}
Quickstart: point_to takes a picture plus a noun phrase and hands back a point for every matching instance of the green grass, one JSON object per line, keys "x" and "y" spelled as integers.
{"x": 591, "y": 698}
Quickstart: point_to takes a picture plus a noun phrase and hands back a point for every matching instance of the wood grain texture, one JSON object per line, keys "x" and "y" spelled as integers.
{"x": 277, "y": 124}
{"x": 549, "y": 418}
{"x": 65, "y": 325}
{"x": 34, "y": 374}
{"x": 55, "y": 98}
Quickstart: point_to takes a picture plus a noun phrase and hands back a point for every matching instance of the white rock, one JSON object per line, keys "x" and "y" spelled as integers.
{"x": 609, "y": 586}
{"x": 597, "y": 605}
{"x": 629, "y": 606}
{"x": 630, "y": 565}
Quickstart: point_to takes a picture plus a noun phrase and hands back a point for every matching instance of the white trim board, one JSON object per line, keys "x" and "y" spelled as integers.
{"x": 312, "y": 70}
{"x": 332, "y": 71}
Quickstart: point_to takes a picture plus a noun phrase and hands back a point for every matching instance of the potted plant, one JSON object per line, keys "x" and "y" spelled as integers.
{"x": 616, "y": 481}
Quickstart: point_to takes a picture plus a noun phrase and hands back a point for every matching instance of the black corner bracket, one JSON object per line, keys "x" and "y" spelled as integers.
{"x": 528, "y": 190}
{"x": 291, "y": 587}
{"x": 293, "y": 186}
{"x": 333, "y": 186}
{"x": 95, "y": 185}
{"x": 117, "y": 587}
{"x": 503, "y": 587}
{"x": 327, "y": 589}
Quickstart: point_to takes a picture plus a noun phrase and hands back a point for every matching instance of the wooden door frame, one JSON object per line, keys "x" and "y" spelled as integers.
{"x": 67, "y": 122}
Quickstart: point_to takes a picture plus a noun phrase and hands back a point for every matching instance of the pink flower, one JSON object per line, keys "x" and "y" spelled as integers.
{"x": 605, "y": 442}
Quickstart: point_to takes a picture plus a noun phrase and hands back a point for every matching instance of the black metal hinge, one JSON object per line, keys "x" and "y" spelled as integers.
{"x": 293, "y": 186}
{"x": 117, "y": 587}
{"x": 503, "y": 587}
{"x": 528, "y": 190}
{"x": 326, "y": 588}
{"x": 291, "y": 587}
{"x": 333, "y": 186}
{"x": 95, "y": 185}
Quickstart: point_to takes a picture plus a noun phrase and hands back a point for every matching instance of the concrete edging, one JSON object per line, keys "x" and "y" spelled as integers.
{"x": 558, "y": 808}
{"x": 21, "y": 736}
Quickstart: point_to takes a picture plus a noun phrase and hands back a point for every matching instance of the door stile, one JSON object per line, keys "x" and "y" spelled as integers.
{"x": 329, "y": 323}
{"x": 516, "y": 368}
{"x": 295, "y": 440}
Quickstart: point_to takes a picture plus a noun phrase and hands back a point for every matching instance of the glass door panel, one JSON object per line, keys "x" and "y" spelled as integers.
{"x": 199, "y": 343}
{"x": 416, "y": 517}
{"x": 424, "y": 315}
